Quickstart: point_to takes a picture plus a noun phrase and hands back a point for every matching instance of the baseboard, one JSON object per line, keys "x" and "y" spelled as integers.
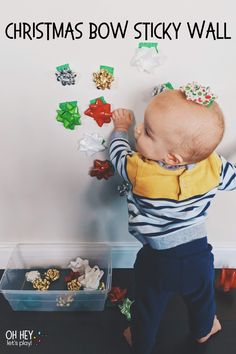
{"x": 124, "y": 253}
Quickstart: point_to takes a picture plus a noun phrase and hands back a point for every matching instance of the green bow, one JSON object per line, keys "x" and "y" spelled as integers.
{"x": 125, "y": 308}
{"x": 68, "y": 114}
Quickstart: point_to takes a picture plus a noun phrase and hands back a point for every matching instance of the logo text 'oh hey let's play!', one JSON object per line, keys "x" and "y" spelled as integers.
{"x": 23, "y": 338}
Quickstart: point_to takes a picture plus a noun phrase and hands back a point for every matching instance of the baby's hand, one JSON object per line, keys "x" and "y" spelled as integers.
{"x": 122, "y": 119}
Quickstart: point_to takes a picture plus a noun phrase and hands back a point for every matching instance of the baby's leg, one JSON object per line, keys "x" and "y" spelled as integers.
{"x": 215, "y": 328}
{"x": 150, "y": 302}
{"x": 127, "y": 335}
{"x": 199, "y": 297}
{"x": 146, "y": 314}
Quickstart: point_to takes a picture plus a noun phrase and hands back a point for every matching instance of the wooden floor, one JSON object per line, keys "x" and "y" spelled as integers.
{"x": 101, "y": 332}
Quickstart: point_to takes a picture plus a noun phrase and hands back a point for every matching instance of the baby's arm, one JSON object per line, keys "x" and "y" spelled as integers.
{"x": 122, "y": 157}
{"x": 228, "y": 176}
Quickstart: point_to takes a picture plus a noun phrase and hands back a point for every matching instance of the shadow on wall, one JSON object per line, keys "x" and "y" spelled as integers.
{"x": 107, "y": 217}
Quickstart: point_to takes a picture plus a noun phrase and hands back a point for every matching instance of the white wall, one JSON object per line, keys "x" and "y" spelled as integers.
{"x": 46, "y": 194}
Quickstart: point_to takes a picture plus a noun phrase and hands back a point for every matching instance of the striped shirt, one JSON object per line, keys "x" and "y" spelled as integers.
{"x": 167, "y": 205}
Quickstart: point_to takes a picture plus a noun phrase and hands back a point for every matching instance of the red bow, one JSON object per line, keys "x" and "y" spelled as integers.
{"x": 116, "y": 294}
{"x": 227, "y": 279}
{"x": 72, "y": 275}
{"x": 100, "y": 111}
{"x": 102, "y": 169}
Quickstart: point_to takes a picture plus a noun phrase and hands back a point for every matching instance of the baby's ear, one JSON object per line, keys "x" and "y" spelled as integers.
{"x": 173, "y": 159}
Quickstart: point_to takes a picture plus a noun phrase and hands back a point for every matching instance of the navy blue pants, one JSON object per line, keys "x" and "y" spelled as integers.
{"x": 187, "y": 269}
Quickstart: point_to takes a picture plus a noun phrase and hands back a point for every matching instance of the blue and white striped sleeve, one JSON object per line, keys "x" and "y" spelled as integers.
{"x": 227, "y": 176}
{"x": 122, "y": 157}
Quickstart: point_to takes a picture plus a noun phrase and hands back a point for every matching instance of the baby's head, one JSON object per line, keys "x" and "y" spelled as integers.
{"x": 178, "y": 131}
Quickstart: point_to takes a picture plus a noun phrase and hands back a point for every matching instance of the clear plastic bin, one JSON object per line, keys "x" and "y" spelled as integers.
{"x": 38, "y": 256}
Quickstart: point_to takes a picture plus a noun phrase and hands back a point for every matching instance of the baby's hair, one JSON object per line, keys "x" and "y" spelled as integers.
{"x": 200, "y": 144}
{"x": 199, "y": 128}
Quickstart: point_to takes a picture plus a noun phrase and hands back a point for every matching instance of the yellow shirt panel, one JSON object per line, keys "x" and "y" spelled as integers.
{"x": 151, "y": 180}
{"x": 132, "y": 167}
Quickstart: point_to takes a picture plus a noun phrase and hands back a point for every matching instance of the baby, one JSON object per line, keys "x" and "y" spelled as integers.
{"x": 174, "y": 175}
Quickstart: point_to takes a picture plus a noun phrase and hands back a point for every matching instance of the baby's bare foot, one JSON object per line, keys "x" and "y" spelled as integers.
{"x": 215, "y": 328}
{"x": 127, "y": 335}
